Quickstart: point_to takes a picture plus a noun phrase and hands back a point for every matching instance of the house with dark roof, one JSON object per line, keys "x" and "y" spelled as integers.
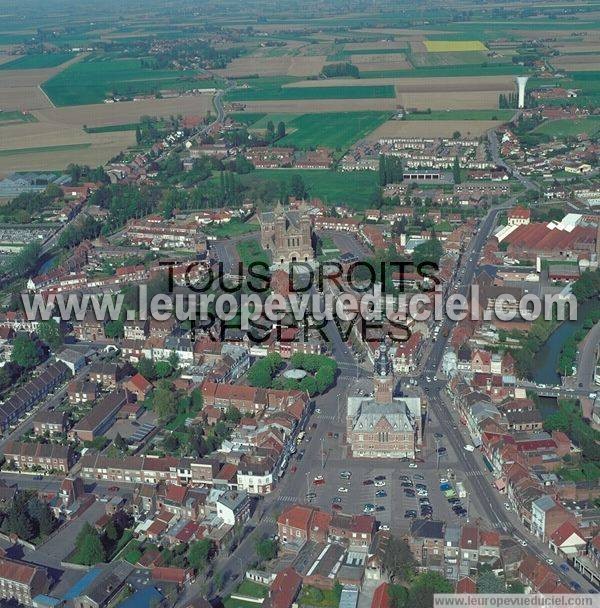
{"x": 426, "y": 541}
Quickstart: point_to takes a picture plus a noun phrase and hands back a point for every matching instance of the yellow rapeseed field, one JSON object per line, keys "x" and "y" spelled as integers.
{"x": 450, "y": 46}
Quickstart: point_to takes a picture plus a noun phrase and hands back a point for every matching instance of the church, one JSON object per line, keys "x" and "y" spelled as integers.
{"x": 287, "y": 234}
{"x": 384, "y": 426}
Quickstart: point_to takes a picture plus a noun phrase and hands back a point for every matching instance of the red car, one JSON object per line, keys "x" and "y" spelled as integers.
{"x": 336, "y": 507}
{"x": 113, "y": 489}
{"x": 294, "y": 469}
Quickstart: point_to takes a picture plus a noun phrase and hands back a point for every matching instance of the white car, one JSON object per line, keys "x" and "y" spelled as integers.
{"x": 507, "y": 506}
{"x": 412, "y": 465}
{"x": 379, "y": 483}
{"x": 319, "y": 478}
{"x": 384, "y": 527}
{"x": 343, "y": 490}
{"x": 549, "y": 561}
{"x": 469, "y": 448}
{"x": 523, "y": 543}
{"x": 318, "y": 411}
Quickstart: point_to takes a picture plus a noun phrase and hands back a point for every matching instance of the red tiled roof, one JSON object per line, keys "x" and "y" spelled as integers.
{"x": 16, "y": 571}
{"x": 381, "y": 597}
{"x": 564, "y": 532}
{"x": 285, "y": 588}
{"x": 489, "y": 538}
{"x": 175, "y": 493}
{"x": 171, "y": 575}
{"x": 466, "y": 585}
{"x": 296, "y": 516}
{"x": 140, "y": 383}
{"x": 228, "y": 472}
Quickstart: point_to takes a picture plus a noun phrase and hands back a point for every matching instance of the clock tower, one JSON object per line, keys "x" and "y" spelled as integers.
{"x": 383, "y": 377}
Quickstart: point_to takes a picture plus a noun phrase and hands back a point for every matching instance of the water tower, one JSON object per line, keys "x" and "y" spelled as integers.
{"x": 521, "y": 82}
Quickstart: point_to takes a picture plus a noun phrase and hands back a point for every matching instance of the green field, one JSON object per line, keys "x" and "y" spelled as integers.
{"x": 264, "y": 89}
{"x": 112, "y": 128}
{"x": 568, "y": 127}
{"x": 462, "y": 115}
{"x": 251, "y": 251}
{"x": 247, "y": 118}
{"x": 355, "y": 189}
{"x": 31, "y": 62}
{"x": 16, "y": 116}
{"x": 91, "y": 80}
{"x": 422, "y": 60}
{"x": 337, "y": 130}
{"x": 232, "y": 228}
{"x": 43, "y": 149}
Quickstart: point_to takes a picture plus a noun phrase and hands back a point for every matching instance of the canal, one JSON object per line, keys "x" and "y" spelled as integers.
{"x": 546, "y": 359}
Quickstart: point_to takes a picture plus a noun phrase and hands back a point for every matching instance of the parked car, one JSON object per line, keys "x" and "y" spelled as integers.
{"x": 380, "y": 494}
{"x": 343, "y": 490}
{"x": 379, "y": 483}
{"x": 380, "y": 478}
{"x": 336, "y": 507}
{"x": 413, "y": 465}
{"x": 336, "y": 500}
{"x": 367, "y": 482}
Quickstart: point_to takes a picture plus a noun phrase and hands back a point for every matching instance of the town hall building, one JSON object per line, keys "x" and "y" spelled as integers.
{"x": 384, "y": 426}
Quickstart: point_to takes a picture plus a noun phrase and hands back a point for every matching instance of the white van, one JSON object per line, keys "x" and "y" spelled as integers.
{"x": 469, "y": 448}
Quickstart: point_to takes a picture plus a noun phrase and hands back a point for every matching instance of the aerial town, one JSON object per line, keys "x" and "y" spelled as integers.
{"x": 183, "y": 186}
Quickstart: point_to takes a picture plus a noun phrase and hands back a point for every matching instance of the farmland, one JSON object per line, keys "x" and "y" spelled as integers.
{"x": 30, "y": 62}
{"x": 453, "y": 46}
{"x": 14, "y": 116}
{"x": 93, "y": 79}
{"x": 432, "y": 128}
{"x": 274, "y": 90}
{"x": 462, "y": 115}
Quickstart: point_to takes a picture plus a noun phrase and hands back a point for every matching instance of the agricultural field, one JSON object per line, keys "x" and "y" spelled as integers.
{"x": 462, "y": 115}
{"x": 433, "y": 128}
{"x": 96, "y": 77}
{"x": 14, "y": 116}
{"x": 31, "y": 62}
{"x": 453, "y": 46}
{"x": 273, "y": 89}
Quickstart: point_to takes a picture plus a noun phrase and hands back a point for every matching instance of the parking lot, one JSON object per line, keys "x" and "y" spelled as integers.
{"x": 392, "y": 502}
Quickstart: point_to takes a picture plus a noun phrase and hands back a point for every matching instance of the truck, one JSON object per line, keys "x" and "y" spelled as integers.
{"x": 460, "y": 489}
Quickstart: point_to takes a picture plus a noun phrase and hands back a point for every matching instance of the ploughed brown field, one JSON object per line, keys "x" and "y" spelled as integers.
{"x": 432, "y": 128}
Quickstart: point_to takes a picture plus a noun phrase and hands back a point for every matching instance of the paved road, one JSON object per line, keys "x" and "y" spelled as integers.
{"x": 494, "y": 147}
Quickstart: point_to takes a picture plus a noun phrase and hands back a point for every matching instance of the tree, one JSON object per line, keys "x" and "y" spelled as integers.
{"x": 111, "y": 531}
{"x": 398, "y": 595}
{"x": 488, "y": 582}
{"x": 297, "y": 187}
{"x": 280, "y": 130}
{"x": 200, "y": 553}
{"x": 398, "y": 560}
{"x": 165, "y": 403}
{"x": 114, "y": 329}
{"x": 89, "y": 549}
{"x": 26, "y": 352}
{"x": 270, "y": 131}
{"x": 120, "y": 443}
{"x": 456, "y": 171}
{"x": 163, "y": 369}
{"x": 233, "y": 415}
{"x": 146, "y": 368}
{"x": 423, "y": 588}
{"x": 49, "y": 333}
{"x": 430, "y": 251}
{"x": 266, "y": 549}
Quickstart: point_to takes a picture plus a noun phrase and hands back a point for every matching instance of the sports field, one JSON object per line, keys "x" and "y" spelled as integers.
{"x": 31, "y": 62}
{"x": 453, "y": 46}
{"x": 91, "y": 80}
{"x": 566, "y": 128}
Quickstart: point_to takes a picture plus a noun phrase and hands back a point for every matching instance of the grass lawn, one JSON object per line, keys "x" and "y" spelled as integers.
{"x": 355, "y": 188}
{"x": 323, "y": 598}
{"x": 16, "y": 116}
{"x": 233, "y": 228}
{"x": 31, "y": 62}
{"x": 231, "y": 603}
{"x": 251, "y": 251}
{"x": 589, "y": 471}
{"x": 112, "y": 128}
{"x": 252, "y": 589}
{"x": 462, "y": 115}
{"x": 41, "y": 149}
{"x": 91, "y": 80}
{"x": 568, "y": 127}
{"x": 337, "y": 130}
